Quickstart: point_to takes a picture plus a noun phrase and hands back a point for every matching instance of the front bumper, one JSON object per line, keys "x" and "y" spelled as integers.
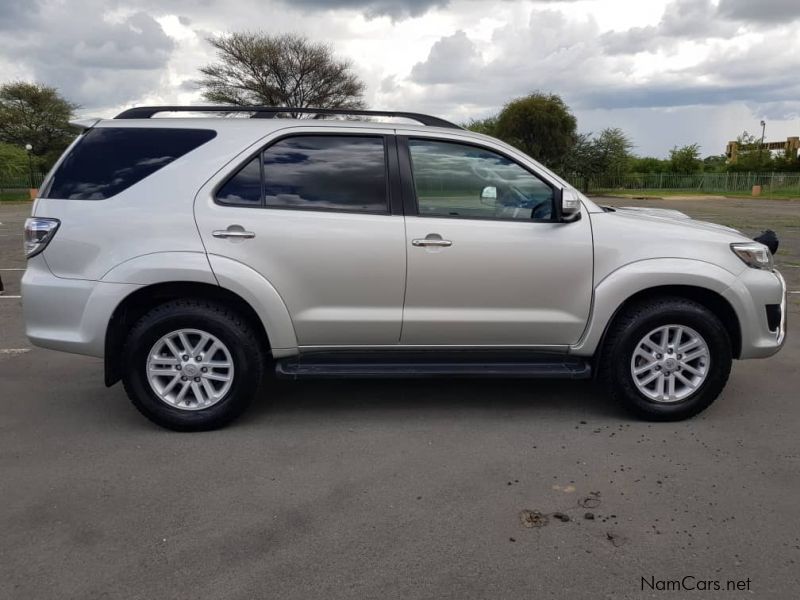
{"x": 750, "y": 294}
{"x": 784, "y": 308}
{"x": 70, "y": 315}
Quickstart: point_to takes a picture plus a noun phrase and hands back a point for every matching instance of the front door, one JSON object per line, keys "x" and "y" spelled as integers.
{"x": 311, "y": 213}
{"x": 487, "y": 264}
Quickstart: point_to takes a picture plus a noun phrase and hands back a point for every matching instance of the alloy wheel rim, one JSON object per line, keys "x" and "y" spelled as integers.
{"x": 670, "y": 363}
{"x": 190, "y": 369}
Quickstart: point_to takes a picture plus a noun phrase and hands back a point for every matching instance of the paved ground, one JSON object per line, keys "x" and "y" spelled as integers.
{"x": 396, "y": 490}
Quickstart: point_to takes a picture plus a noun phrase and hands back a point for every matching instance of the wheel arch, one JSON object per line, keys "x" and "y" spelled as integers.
{"x": 702, "y": 282}
{"x": 139, "y": 302}
{"x": 710, "y": 299}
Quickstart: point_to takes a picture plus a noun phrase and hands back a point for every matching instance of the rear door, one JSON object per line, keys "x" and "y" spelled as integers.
{"x": 312, "y": 212}
{"x": 488, "y": 264}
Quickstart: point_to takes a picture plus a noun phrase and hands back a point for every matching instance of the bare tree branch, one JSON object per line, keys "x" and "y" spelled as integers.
{"x": 284, "y": 70}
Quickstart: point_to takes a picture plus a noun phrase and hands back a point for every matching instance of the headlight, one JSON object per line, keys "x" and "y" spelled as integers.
{"x": 753, "y": 254}
{"x": 38, "y": 233}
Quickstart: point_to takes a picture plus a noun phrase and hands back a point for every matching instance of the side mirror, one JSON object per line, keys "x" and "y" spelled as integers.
{"x": 570, "y": 205}
{"x": 489, "y": 195}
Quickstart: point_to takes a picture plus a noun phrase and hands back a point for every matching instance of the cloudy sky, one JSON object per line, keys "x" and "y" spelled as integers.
{"x": 669, "y": 72}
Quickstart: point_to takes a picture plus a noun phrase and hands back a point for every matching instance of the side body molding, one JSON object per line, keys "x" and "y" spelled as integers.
{"x": 252, "y": 287}
{"x": 624, "y": 282}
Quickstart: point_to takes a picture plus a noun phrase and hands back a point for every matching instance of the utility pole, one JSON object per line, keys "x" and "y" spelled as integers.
{"x": 761, "y": 147}
{"x": 29, "y": 150}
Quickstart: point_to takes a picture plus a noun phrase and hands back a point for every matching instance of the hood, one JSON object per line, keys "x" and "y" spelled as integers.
{"x": 658, "y": 212}
{"x": 672, "y": 216}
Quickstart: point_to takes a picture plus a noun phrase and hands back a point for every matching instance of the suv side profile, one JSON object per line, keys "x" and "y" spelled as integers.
{"x": 197, "y": 254}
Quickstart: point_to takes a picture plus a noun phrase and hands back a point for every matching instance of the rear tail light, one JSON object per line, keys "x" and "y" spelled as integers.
{"x": 38, "y": 233}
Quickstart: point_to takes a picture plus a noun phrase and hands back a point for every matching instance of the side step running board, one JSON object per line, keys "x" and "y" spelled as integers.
{"x": 306, "y": 369}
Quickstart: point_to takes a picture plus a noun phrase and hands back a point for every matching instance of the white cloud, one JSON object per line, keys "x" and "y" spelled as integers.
{"x": 690, "y": 63}
{"x": 667, "y": 71}
{"x": 93, "y": 57}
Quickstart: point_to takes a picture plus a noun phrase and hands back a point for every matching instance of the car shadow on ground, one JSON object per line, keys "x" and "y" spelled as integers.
{"x": 84, "y": 403}
{"x": 401, "y": 398}
{"x": 388, "y": 400}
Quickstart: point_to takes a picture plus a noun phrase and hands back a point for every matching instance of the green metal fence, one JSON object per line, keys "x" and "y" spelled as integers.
{"x": 21, "y": 181}
{"x": 771, "y": 183}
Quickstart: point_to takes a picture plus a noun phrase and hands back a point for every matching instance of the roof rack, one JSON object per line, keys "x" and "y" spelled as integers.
{"x": 269, "y": 112}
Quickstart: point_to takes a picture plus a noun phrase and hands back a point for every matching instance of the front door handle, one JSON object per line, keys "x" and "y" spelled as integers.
{"x": 432, "y": 239}
{"x": 234, "y": 231}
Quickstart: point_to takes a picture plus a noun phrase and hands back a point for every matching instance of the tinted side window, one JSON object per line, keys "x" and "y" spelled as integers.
{"x": 457, "y": 180}
{"x": 244, "y": 188}
{"x": 326, "y": 173}
{"x": 108, "y": 160}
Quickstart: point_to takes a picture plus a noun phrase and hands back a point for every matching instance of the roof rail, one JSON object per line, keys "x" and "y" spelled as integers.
{"x": 268, "y": 112}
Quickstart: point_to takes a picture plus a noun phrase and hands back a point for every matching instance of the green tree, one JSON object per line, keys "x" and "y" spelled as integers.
{"x": 751, "y": 156}
{"x": 785, "y": 161}
{"x": 583, "y": 161}
{"x": 37, "y": 115}
{"x": 279, "y": 70}
{"x": 541, "y": 125}
{"x": 647, "y": 164}
{"x": 686, "y": 159}
{"x": 487, "y": 126}
{"x": 716, "y": 163}
{"x": 592, "y": 156}
{"x": 13, "y": 162}
{"x": 613, "y": 147}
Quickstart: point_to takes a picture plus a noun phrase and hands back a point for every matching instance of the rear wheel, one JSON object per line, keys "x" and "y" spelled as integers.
{"x": 192, "y": 365}
{"x": 666, "y": 360}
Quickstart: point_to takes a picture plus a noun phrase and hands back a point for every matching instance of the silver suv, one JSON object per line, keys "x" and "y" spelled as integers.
{"x": 194, "y": 254}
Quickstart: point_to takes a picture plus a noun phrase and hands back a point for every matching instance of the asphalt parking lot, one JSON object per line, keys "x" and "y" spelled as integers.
{"x": 398, "y": 489}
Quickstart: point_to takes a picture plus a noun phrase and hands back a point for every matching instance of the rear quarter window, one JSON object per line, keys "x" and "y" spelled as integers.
{"x": 109, "y": 160}
{"x": 346, "y": 173}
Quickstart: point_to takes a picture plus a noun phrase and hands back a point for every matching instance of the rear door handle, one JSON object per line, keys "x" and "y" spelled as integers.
{"x": 234, "y": 231}
{"x": 440, "y": 243}
{"x": 432, "y": 239}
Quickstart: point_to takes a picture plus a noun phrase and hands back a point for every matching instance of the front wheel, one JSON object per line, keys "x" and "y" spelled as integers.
{"x": 192, "y": 365}
{"x": 666, "y": 360}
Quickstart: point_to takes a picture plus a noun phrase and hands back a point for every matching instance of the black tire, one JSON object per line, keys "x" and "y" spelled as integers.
{"x": 230, "y": 328}
{"x": 636, "y": 322}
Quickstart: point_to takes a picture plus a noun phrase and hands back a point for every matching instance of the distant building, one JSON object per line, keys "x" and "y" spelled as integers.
{"x": 791, "y": 146}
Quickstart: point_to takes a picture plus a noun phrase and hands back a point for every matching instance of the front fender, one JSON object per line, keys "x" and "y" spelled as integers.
{"x": 630, "y": 279}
